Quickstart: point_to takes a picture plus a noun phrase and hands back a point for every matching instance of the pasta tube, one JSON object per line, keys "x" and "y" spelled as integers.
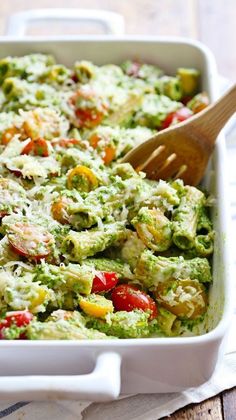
{"x": 185, "y": 218}
{"x": 152, "y": 270}
{"x": 106, "y": 264}
{"x": 71, "y": 277}
{"x": 168, "y": 322}
{"x": 60, "y": 330}
{"x": 123, "y": 324}
{"x": 80, "y": 245}
{"x": 204, "y": 244}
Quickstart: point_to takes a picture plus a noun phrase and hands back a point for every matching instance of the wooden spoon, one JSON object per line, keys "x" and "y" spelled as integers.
{"x": 183, "y": 150}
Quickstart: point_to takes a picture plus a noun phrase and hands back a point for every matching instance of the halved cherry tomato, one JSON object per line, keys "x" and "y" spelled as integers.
{"x": 18, "y": 318}
{"x": 109, "y": 150}
{"x": 37, "y": 147}
{"x": 59, "y": 210}
{"x": 30, "y": 241}
{"x": 82, "y": 178}
{"x": 199, "y": 102}
{"x": 89, "y": 117}
{"x": 127, "y": 298}
{"x": 180, "y": 115}
{"x": 104, "y": 281}
{"x": 177, "y": 290}
{"x": 90, "y": 108}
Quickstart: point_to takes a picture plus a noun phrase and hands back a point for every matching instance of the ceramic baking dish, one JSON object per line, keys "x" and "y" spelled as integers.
{"x": 101, "y": 370}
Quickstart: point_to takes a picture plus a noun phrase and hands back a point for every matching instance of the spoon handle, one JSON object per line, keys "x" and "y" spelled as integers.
{"x": 211, "y": 120}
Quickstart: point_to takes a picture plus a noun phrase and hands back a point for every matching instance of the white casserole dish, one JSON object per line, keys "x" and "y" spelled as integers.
{"x": 101, "y": 370}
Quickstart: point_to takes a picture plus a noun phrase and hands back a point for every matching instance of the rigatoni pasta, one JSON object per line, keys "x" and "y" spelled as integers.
{"x": 90, "y": 248}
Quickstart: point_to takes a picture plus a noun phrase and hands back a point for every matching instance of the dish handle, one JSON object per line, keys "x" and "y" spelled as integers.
{"x": 113, "y": 23}
{"x": 103, "y": 384}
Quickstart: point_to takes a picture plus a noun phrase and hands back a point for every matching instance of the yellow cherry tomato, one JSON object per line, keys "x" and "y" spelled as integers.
{"x": 184, "y": 298}
{"x": 82, "y": 179}
{"x": 96, "y": 305}
{"x": 59, "y": 210}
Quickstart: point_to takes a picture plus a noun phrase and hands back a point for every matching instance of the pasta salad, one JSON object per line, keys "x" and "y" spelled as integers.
{"x": 90, "y": 248}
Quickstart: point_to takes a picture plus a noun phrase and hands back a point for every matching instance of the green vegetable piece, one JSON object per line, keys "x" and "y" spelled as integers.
{"x": 170, "y": 86}
{"x": 84, "y": 71}
{"x": 189, "y": 79}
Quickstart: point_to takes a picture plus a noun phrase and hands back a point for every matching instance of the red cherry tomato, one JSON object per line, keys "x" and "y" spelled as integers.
{"x": 18, "y": 318}
{"x": 126, "y": 298}
{"x": 30, "y": 241}
{"x": 104, "y": 281}
{"x": 37, "y": 147}
{"x": 180, "y": 115}
{"x": 90, "y": 108}
{"x": 89, "y": 117}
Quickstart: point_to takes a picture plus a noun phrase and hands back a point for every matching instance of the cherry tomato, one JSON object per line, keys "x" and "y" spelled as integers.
{"x": 109, "y": 151}
{"x": 104, "y": 281}
{"x": 37, "y": 147}
{"x": 30, "y": 241}
{"x": 18, "y": 318}
{"x": 90, "y": 108}
{"x": 126, "y": 298}
{"x": 180, "y": 115}
{"x": 199, "y": 102}
{"x": 59, "y": 210}
{"x": 82, "y": 178}
{"x": 89, "y": 117}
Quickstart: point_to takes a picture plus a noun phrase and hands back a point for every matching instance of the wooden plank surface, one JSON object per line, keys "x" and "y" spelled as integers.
{"x": 210, "y": 21}
{"x": 208, "y": 410}
{"x": 228, "y": 399}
